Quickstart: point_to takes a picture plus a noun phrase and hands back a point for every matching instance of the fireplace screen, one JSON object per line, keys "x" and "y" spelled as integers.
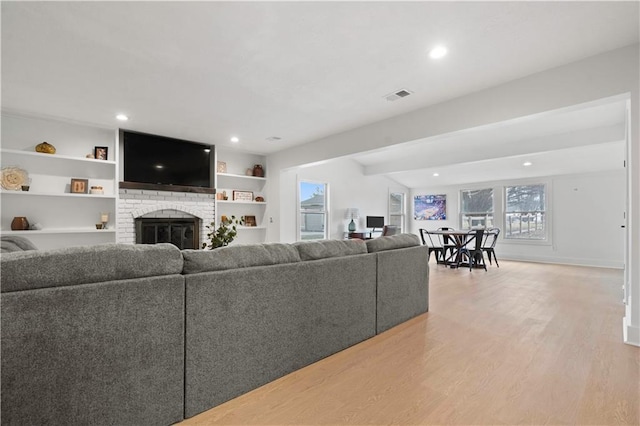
{"x": 183, "y": 233}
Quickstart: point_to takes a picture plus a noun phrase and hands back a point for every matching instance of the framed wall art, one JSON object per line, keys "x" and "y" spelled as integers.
{"x": 430, "y": 207}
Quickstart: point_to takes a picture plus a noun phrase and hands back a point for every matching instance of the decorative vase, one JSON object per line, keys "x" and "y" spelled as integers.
{"x": 258, "y": 171}
{"x": 352, "y": 226}
{"x": 19, "y": 223}
{"x": 46, "y": 148}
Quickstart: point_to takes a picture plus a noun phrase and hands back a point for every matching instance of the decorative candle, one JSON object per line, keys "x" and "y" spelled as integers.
{"x": 104, "y": 217}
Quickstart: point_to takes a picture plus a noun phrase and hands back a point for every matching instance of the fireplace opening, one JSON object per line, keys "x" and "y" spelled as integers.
{"x": 183, "y": 233}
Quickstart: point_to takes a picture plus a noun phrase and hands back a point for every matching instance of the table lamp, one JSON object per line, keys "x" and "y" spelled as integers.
{"x": 352, "y": 213}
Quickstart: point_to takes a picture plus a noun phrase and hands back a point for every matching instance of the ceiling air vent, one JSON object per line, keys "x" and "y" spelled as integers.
{"x": 274, "y": 138}
{"x": 402, "y": 93}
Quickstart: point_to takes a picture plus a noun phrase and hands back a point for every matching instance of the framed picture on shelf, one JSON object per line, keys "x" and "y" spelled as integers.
{"x": 249, "y": 221}
{"x": 222, "y": 167}
{"x": 242, "y": 196}
{"x": 79, "y": 186}
{"x": 100, "y": 152}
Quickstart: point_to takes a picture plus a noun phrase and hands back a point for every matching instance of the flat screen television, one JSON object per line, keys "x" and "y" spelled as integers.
{"x": 375, "y": 221}
{"x": 166, "y": 161}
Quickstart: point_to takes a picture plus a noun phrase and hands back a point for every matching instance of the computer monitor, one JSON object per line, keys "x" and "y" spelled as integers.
{"x": 375, "y": 222}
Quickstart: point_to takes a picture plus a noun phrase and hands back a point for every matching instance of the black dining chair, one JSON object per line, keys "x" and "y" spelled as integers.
{"x": 425, "y": 236}
{"x": 448, "y": 245}
{"x": 475, "y": 252}
{"x": 489, "y": 244}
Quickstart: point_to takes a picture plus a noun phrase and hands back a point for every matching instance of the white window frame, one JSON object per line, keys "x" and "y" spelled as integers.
{"x": 325, "y": 211}
{"x": 547, "y": 240}
{"x": 403, "y": 209}
{"x": 493, "y": 207}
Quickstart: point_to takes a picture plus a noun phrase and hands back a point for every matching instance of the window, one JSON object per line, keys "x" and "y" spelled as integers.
{"x": 476, "y": 208}
{"x": 525, "y": 208}
{"x": 313, "y": 211}
{"x": 396, "y": 210}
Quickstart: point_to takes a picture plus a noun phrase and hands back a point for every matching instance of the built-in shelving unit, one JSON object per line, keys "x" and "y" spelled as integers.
{"x": 52, "y": 194}
{"x": 240, "y": 202}
{"x": 35, "y": 232}
{"x": 66, "y": 219}
{"x": 234, "y": 180}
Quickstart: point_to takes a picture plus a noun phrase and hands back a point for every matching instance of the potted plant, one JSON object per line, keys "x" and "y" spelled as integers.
{"x": 223, "y": 235}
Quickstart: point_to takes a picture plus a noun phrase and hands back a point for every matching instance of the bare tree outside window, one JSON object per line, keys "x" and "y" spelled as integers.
{"x": 525, "y": 212}
{"x": 476, "y": 208}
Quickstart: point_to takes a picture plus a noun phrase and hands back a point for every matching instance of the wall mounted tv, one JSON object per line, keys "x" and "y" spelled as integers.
{"x": 166, "y": 161}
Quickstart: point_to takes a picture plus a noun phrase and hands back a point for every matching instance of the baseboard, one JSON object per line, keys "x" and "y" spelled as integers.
{"x": 631, "y": 334}
{"x": 597, "y": 263}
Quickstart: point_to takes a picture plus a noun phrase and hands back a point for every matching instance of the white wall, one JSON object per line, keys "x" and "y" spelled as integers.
{"x": 585, "y": 213}
{"x": 348, "y": 187}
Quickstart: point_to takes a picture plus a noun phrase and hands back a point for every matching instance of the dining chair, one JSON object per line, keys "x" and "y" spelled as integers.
{"x": 447, "y": 243}
{"x": 388, "y": 230}
{"x": 425, "y": 236}
{"x": 489, "y": 244}
{"x": 475, "y": 254}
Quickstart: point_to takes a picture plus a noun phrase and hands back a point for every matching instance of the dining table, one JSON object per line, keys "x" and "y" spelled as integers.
{"x": 453, "y": 241}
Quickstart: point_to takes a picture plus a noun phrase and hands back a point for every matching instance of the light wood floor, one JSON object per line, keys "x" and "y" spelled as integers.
{"x": 521, "y": 344}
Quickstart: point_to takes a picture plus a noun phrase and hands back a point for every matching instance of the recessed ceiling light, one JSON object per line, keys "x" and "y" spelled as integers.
{"x": 207, "y": 150}
{"x": 122, "y": 117}
{"x": 527, "y": 163}
{"x": 159, "y": 166}
{"x": 438, "y": 52}
{"x": 436, "y": 174}
{"x": 235, "y": 139}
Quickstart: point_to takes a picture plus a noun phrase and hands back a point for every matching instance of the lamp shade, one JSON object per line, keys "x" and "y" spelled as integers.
{"x": 352, "y": 213}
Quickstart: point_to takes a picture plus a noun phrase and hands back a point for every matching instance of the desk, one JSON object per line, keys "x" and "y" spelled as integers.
{"x": 459, "y": 239}
{"x": 363, "y": 235}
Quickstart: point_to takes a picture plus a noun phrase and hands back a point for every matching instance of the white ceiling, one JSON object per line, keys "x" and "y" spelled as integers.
{"x": 298, "y": 70}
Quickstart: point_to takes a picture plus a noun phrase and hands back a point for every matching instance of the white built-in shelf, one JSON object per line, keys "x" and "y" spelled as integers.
{"x": 240, "y": 227}
{"x": 240, "y": 177}
{"x": 59, "y": 231}
{"x": 55, "y": 157}
{"x": 55, "y": 194}
{"x": 240, "y": 202}
{"x": 66, "y": 218}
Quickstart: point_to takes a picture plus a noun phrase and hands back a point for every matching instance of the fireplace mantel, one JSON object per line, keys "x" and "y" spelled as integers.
{"x": 161, "y": 187}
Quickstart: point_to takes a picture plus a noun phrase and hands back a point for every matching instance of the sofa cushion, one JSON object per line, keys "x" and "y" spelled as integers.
{"x": 16, "y": 243}
{"x": 392, "y": 242}
{"x": 238, "y": 256}
{"x": 314, "y": 250}
{"x": 26, "y": 270}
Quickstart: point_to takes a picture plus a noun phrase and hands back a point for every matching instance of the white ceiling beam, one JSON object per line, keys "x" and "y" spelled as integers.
{"x": 445, "y": 150}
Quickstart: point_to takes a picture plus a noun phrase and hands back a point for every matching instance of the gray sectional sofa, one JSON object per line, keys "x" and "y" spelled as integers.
{"x": 122, "y": 334}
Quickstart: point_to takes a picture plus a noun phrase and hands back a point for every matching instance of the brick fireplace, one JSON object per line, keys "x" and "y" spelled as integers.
{"x": 175, "y": 207}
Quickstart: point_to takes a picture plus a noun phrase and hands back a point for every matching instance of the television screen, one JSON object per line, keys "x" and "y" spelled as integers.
{"x": 375, "y": 221}
{"x": 166, "y": 161}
